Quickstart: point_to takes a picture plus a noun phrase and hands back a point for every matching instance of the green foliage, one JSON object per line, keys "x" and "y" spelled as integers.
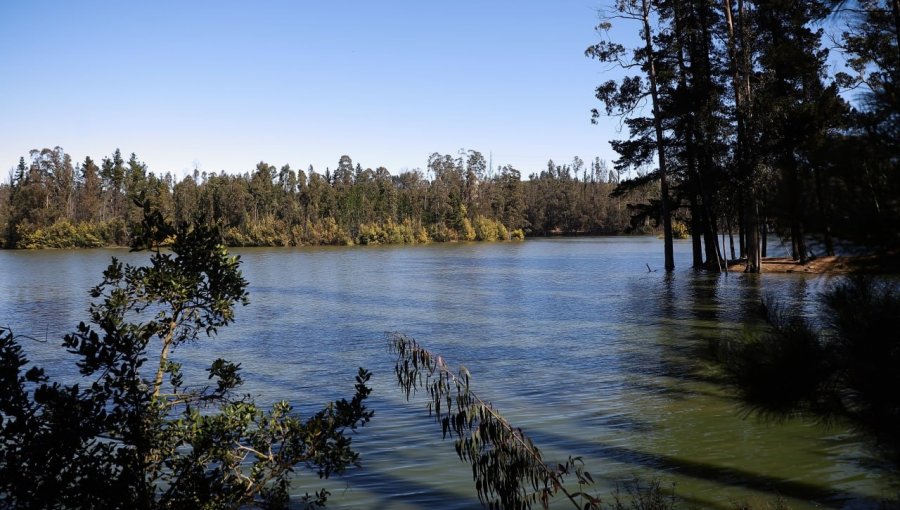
{"x": 389, "y": 233}
{"x": 508, "y": 469}
{"x": 466, "y": 232}
{"x": 121, "y": 439}
{"x": 439, "y": 233}
{"x": 63, "y": 234}
{"x": 841, "y": 367}
{"x": 680, "y": 230}
{"x": 267, "y": 232}
{"x": 487, "y": 229}
{"x": 267, "y": 207}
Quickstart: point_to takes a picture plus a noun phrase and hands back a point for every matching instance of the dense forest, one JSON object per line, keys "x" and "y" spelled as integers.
{"x": 51, "y": 202}
{"x": 749, "y": 127}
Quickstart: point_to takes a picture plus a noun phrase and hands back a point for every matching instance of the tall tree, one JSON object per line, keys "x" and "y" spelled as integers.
{"x": 89, "y": 192}
{"x": 624, "y": 99}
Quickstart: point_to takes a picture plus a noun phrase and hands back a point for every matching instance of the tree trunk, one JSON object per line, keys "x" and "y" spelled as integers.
{"x": 895, "y": 8}
{"x": 700, "y": 50}
{"x": 164, "y": 355}
{"x": 692, "y": 148}
{"x": 696, "y": 233}
{"x": 660, "y": 142}
{"x": 730, "y": 238}
{"x": 740, "y": 83}
{"x": 795, "y": 196}
{"x": 823, "y": 213}
{"x": 742, "y": 231}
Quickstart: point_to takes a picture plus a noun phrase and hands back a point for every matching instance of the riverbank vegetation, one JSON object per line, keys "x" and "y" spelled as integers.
{"x": 753, "y": 127}
{"x": 50, "y": 202}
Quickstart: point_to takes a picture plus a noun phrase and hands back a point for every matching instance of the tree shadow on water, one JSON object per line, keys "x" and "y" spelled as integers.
{"x": 721, "y": 475}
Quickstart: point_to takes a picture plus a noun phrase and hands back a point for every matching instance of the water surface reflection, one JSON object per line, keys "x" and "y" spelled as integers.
{"x": 573, "y": 339}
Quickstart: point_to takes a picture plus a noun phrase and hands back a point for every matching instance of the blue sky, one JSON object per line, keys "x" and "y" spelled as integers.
{"x": 224, "y": 85}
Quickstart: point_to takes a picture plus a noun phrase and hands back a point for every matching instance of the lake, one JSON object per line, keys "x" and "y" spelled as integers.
{"x": 572, "y": 339}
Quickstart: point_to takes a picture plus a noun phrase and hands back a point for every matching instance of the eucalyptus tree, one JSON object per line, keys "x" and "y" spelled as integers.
{"x": 112, "y": 172}
{"x": 5, "y": 193}
{"x": 509, "y": 205}
{"x": 135, "y": 186}
{"x": 89, "y": 192}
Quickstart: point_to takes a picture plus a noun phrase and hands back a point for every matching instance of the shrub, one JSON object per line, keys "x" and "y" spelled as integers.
{"x": 123, "y": 440}
{"x": 63, "y": 234}
{"x": 486, "y": 229}
{"x": 680, "y": 230}
{"x": 466, "y": 231}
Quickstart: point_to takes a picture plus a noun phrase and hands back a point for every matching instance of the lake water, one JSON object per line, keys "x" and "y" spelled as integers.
{"x": 572, "y": 339}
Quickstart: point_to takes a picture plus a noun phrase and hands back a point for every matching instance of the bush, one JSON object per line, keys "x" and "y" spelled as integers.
{"x": 327, "y": 232}
{"x": 439, "y": 233}
{"x": 421, "y": 235}
{"x": 680, "y": 230}
{"x": 123, "y": 440}
{"x": 63, "y": 234}
{"x": 466, "y": 231}
{"x": 486, "y": 229}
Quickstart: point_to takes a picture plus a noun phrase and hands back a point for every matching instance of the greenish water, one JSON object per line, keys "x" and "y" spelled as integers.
{"x": 572, "y": 339}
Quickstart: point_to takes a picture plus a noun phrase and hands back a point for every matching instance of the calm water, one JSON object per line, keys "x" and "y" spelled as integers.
{"x": 572, "y": 339}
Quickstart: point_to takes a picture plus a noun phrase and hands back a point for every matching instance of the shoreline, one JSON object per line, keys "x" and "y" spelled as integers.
{"x": 863, "y": 264}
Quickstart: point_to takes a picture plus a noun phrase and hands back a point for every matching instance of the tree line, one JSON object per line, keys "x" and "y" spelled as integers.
{"x": 749, "y": 130}
{"x": 51, "y": 202}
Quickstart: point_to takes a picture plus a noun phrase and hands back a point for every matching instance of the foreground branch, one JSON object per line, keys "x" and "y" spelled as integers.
{"x": 507, "y": 467}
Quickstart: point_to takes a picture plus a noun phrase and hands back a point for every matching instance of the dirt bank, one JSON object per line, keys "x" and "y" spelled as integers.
{"x": 874, "y": 264}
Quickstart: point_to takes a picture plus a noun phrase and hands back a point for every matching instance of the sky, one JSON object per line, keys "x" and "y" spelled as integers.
{"x": 221, "y": 85}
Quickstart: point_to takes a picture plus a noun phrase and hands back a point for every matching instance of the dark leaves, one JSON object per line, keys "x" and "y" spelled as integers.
{"x": 507, "y": 468}
{"x": 118, "y": 442}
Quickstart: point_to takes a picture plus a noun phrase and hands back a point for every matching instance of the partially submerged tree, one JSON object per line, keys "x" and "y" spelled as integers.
{"x": 129, "y": 437}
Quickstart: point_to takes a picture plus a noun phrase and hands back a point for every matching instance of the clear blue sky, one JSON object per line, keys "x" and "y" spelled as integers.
{"x": 226, "y": 84}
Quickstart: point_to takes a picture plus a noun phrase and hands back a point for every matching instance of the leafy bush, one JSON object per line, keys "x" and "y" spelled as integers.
{"x": 466, "y": 231}
{"x": 680, "y": 230}
{"x": 487, "y": 229}
{"x": 439, "y": 233}
{"x": 327, "y": 232}
{"x": 63, "y": 234}
{"x": 122, "y": 439}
